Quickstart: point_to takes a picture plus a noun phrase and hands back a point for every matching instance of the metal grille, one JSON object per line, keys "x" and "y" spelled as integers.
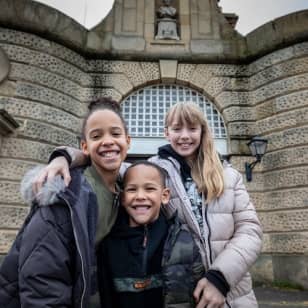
{"x": 145, "y": 109}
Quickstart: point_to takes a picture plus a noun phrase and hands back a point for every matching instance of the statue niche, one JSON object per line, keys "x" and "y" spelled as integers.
{"x": 167, "y": 22}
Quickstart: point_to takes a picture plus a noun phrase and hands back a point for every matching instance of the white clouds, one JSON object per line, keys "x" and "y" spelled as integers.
{"x": 252, "y": 13}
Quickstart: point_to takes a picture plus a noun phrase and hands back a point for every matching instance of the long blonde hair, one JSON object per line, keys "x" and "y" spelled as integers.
{"x": 207, "y": 172}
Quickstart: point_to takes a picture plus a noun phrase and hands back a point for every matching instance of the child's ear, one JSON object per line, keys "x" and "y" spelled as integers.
{"x": 165, "y": 196}
{"x": 84, "y": 147}
{"x": 128, "y": 140}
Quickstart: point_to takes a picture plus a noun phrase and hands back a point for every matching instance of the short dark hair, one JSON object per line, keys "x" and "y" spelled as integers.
{"x": 102, "y": 103}
{"x": 161, "y": 171}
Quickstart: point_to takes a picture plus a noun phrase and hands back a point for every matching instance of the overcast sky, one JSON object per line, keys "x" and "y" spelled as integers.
{"x": 252, "y": 13}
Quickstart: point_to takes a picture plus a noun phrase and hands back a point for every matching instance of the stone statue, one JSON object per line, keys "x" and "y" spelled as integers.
{"x": 167, "y": 22}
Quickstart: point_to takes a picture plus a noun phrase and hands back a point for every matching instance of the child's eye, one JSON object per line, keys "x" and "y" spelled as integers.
{"x": 151, "y": 188}
{"x": 129, "y": 190}
{"x": 95, "y": 137}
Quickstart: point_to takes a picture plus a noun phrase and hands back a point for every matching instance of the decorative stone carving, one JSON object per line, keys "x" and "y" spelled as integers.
{"x": 167, "y": 22}
{"x": 4, "y": 65}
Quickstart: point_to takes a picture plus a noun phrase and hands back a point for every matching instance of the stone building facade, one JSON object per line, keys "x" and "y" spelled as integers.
{"x": 50, "y": 67}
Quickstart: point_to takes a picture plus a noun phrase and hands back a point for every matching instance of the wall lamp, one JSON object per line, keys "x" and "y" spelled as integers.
{"x": 257, "y": 146}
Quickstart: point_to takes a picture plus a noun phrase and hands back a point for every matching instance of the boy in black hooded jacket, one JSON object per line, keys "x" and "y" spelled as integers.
{"x": 147, "y": 260}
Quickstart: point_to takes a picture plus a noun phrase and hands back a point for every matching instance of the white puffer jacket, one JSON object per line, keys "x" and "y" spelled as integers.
{"x": 233, "y": 235}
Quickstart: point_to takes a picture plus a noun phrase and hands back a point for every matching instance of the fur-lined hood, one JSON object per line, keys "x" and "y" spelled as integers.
{"x": 49, "y": 192}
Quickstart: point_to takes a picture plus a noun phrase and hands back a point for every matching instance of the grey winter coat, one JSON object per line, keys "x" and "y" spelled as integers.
{"x": 233, "y": 235}
{"x": 52, "y": 259}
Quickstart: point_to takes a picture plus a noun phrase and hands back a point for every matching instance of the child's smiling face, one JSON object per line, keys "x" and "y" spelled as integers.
{"x": 106, "y": 141}
{"x": 184, "y": 138}
{"x": 144, "y": 193}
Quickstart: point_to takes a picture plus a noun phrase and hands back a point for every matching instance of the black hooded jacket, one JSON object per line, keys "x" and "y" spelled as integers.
{"x": 157, "y": 265}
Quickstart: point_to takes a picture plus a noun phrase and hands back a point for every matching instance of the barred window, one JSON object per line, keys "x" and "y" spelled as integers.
{"x": 145, "y": 109}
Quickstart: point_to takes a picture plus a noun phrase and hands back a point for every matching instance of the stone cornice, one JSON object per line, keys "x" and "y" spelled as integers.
{"x": 37, "y": 18}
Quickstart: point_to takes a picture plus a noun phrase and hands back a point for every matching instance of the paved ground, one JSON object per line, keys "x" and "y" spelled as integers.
{"x": 269, "y": 297}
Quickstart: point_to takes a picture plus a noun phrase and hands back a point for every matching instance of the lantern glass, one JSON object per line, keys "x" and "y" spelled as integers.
{"x": 257, "y": 146}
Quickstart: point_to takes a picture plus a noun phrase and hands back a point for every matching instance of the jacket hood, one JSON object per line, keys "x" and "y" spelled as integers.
{"x": 48, "y": 193}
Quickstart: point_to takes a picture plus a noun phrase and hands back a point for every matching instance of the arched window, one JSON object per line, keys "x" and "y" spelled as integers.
{"x": 145, "y": 109}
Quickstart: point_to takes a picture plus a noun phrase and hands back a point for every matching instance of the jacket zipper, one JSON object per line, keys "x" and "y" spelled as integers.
{"x": 145, "y": 251}
{"x": 79, "y": 252}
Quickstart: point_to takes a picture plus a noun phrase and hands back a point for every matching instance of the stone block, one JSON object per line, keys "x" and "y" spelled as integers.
{"x": 95, "y": 93}
{"x": 287, "y": 178}
{"x": 284, "y": 199}
{"x": 239, "y": 113}
{"x": 232, "y": 98}
{"x": 151, "y": 71}
{"x": 279, "y": 88}
{"x": 134, "y": 73}
{"x": 280, "y": 221}
{"x": 279, "y": 71}
{"x": 33, "y": 110}
{"x": 48, "y": 62}
{"x": 289, "y": 137}
{"x": 242, "y": 129}
{"x": 42, "y": 77}
{"x": 271, "y": 59}
{"x": 285, "y": 158}
{"x": 294, "y": 118}
{"x": 117, "y": 81}
{"x": 216, "y": 85}
{"x": 292, "y": 269}
{"x": 51, "y": 97}
{"x": 25, "y": 149}
{"x": 14, "y": 170}
{"x": 266, "y": 244}
{"x": 4, "y": 65}
{"x": 128, "y": 44}
{"x": 6, "y": 239}
{"x": 209, "y": 47}
{"x": 300, "y": 49}
{"x": 291, "y": 101}
{"x": 262, "y": 270}
{"x": 130, "y": 19}
{"x": 295, "y": 243}
{"x": 9, "y": 192}
{"x": 168, "y": 70}
{"x": 12, "y": 217}
{"x": 185, "y": 72}
{"x": 8, "y": 88}
{"x": 48, "y": 133}
{"x": 35, "y": 42}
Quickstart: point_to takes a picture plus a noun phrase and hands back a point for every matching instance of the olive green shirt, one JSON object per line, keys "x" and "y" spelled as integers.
{"x": 107, "y": 203}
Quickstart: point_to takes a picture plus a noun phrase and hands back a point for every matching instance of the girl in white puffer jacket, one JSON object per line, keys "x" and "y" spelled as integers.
{"x": 211, "y": 199}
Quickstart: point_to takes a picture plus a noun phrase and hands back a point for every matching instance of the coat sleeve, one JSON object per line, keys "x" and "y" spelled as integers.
{"x": 242, "y": 250}
{"x": 45, "y": 264}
